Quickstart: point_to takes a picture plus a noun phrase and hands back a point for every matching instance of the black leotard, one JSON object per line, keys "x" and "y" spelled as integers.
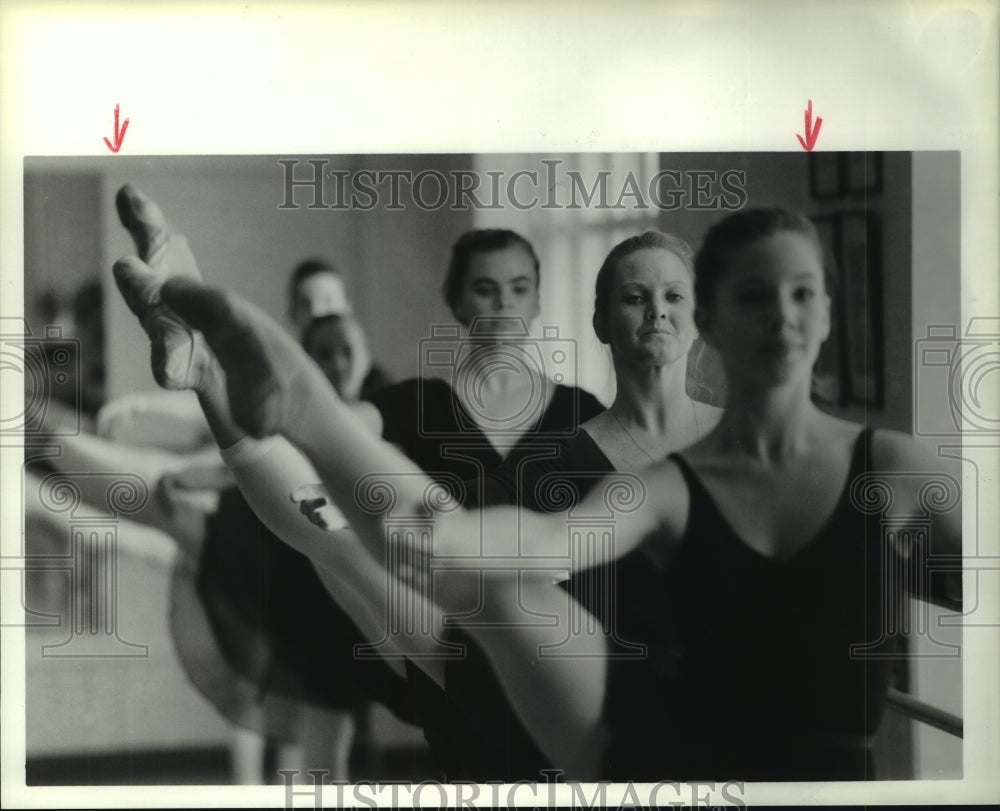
{"x": 430, "y": 425}
{"x": 769, "y": 689}
{"x": 486, "y": 740}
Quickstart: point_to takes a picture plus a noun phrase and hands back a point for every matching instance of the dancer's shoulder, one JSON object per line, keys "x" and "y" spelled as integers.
{"x": 924, "y": 480}
{"x": 668, "y": 492}
{"x": 890, "y": 450}
{"x": 831, "y": 435}
{"x": 895, "y": 450}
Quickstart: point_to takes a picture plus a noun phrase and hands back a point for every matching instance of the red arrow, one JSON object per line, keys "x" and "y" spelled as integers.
{"x": 811, "y": 134}
{"x": 119, "y": 135}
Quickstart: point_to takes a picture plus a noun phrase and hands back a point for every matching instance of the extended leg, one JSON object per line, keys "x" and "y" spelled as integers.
{"x": 274, "y": 388}
{"x": 279, "y": 390}
{"x": 83, "y": 455}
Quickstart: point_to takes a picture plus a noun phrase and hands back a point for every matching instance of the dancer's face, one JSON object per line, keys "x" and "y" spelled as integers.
{"x": 318, "y": 295}
{"x": 341, "y": 351}
{"x": 650, "y": 320}
{"x": 771, "y": 311}
{"x": 498, "y": 283}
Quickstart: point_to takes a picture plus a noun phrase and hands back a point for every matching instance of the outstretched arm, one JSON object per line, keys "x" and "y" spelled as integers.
{"x": 925, "y": 483}
{"x": 932, "y": 485}
{"x": 273, "y": 387}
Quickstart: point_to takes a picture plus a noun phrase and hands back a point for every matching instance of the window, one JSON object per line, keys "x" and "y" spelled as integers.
{"x": 573, "y": 208}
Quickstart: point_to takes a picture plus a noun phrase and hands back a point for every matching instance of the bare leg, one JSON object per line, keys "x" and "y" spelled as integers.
{"x": 168, "y": 420}
{"x": 360, "y": 586}
{"x": 323, "y": 741}
{"x": 183, "y": 518}
{"x": 88, "y": 452}
{"x": 559, "y": 700}
{"x": 327, "y": 738}
{"x": 247, "y": 753}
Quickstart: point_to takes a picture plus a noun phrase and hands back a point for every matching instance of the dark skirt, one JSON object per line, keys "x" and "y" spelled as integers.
{"x": 261, "y": 637}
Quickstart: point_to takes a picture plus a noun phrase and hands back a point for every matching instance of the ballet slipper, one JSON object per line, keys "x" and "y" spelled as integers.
{"x": 160, "y": 248}
{"x": 268, "y": 376}
{"x": 179, "y": 357}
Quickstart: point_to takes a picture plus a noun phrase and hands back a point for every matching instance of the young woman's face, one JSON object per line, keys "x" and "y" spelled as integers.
{"x": 498, "y": 283}
{"x": 341, "y": 351}
{"x": 318, "y": 295}
{"x": 771, "y": 311}
{"x": 650, "y": 319}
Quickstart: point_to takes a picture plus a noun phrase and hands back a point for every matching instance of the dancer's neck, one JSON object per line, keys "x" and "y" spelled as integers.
{"x": 499, "y": 367}
{"x": 653, "y": 399}
{"x": 768, "y": 424}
